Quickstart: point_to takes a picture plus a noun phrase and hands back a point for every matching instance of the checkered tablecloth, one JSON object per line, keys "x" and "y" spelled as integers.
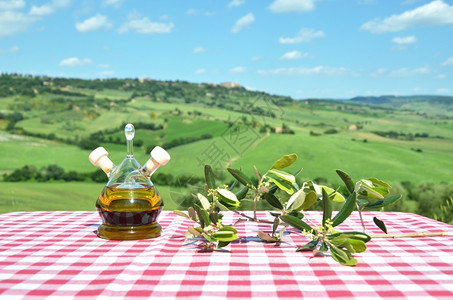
{"x": 57, "y": 255}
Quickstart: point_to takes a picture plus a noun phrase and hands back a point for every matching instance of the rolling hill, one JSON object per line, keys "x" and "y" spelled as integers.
{"x": 46, "y": 121}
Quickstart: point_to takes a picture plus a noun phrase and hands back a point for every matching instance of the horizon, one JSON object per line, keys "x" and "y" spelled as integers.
{"x": 325, "y": 49}
{"x": 218, "y": 84}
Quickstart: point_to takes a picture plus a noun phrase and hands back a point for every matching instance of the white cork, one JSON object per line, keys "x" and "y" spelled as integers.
{"x": 159, "y": 157}
{"x": 99, "y": 158}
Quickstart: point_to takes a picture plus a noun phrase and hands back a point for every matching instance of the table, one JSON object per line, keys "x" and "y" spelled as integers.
{"x": 57, "y": 255}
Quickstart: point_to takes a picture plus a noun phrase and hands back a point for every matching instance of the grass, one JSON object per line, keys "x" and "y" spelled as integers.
{"x": 321, "y": 156}
{"x": 34, "y": 196}
{"x": 388, "y": 159}
{"x": 22, "y": 150}
{"x": 72, "y": 196}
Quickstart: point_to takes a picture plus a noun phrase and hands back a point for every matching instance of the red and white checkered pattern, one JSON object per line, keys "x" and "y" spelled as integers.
{"x": 57, "y": 255}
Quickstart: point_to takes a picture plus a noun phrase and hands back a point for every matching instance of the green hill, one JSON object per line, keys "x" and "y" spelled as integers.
{"x": 46, "y": 121}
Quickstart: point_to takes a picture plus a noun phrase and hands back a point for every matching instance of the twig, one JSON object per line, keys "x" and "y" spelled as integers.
{"x": 361, "y": 218}
{"x": 253, "y": 218}
{"x": 410, "y": 235}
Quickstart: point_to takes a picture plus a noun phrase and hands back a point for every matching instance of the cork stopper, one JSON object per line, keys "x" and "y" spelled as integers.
{"x": 99, "y": 158}
{"x": 159, "y": 157}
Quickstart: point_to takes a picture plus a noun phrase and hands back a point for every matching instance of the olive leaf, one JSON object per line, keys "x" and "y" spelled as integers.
{"x": 228, "y": 198}
{"x": 257, "y": 173}
{"x": 266, "y": 237}
{"x": 347, "y": 180}
{"x": 383, "y": 202}
{"x": 204, "y": 201}
{"x": 242, "y": 193}
{"x": 241, "y": 177}
{"x": 345, "y": 210}
{"x": 309, "y": 246}
{"x": 327, "y": 207}
{"x": 225, "y": 235}
{"x": 283, "y": 185}
{"x": 192, "y": 214}
{"x": 203, "y": 216}
{"x": 342, "y": 256}
{"x": 272, "y": 200}
{"x": 282, "y": 175}
{"x": 209, "y": 176}
{"x": 301, "y": 201}
{"x": 380, "y": 224}
{"x": 378, "y": 182}
{"x": 180, "y": 213}
{"x": 284, "y": 161}
{"x": 297, "y": 223}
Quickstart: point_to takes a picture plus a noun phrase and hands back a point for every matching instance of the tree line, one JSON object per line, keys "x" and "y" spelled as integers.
{"x": 54, "y": 172}
{"x": 433, "y": 200}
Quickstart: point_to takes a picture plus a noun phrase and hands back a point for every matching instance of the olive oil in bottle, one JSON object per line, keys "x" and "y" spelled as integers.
{"x": 129, "y": 204}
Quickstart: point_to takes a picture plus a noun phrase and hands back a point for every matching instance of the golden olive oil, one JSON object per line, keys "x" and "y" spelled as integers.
{"x": 129, "y": 214}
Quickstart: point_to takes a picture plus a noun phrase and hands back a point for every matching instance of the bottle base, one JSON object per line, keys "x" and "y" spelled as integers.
{"x": 113, "y": 232}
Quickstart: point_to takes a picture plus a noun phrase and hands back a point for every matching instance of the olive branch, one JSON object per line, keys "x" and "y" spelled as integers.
{"x": 370, "y": 193}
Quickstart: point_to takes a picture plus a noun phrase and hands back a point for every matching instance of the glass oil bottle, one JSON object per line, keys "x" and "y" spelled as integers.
{"x": 129, "y": 204}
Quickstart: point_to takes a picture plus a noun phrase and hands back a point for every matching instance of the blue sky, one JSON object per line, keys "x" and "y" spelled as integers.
{"x": 299, "y": 48}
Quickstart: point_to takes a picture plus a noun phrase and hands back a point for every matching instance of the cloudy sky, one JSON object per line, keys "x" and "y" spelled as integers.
{"x": 299, "y": 48}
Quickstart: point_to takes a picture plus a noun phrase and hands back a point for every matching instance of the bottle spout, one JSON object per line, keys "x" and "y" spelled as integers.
{"x": 159, "y": 157}
{"x": 99, "y": 158}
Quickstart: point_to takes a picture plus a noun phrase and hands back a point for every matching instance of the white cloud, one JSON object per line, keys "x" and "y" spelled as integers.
{"x": 12, "y": 22}
{"x": 106, "y": 73}
{"x": 12, "y": 4}
{"x": 103, "y": 66}
{"x": 255, "y": 58}
{"x": 435, "y": 13}
{"x": 243, "y": 23}
{"x": 145, "y": 26}
{"x": 379, "y": 72}
{"x": 200, "y": 71}
{"x": 49, "y": 8}
{"x": 410, "y": 72}
{"x": 448, "y": 62}
{"x": 443, "y": 91}
{"x": 198, "y": 50}
{"x": 238, "y": 70}
{"x": 42, "y": 10}
{"x": 402, "y": 72}
{"x": 404, "y": 40}
{"x": 192, "y": 12}
{"x": 302, "y": 71}
{"x": 195, "y": 12}
{"x": 11, "y": 50}
{"x": 61, "y": 3}
{"x": 234, "y": 3}
{"x": 96, "y": 23}
{"x": 115, "y": 3}
{"x": 441, "y": 76}
{"x": 304, "y": 35}
{"x": 74, "y": 62}
{"x": 290, "y": 6}
{"x": 293, "y": 55}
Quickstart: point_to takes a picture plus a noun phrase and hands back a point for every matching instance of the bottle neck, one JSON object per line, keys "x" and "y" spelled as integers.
{"x": 130, "y": 148}
{"x": 149, "y": 167}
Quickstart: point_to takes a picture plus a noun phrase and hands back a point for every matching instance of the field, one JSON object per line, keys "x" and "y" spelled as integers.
{"x": 35, "y": 196}
{"x": 410, "y": 140}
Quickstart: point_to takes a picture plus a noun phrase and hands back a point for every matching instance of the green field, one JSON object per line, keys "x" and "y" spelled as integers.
{"x": 35, "y": 196}
{"x": 406, "y": 140}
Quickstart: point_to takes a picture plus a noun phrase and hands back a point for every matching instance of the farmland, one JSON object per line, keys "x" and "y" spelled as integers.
{"x": 47, "y": 121}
